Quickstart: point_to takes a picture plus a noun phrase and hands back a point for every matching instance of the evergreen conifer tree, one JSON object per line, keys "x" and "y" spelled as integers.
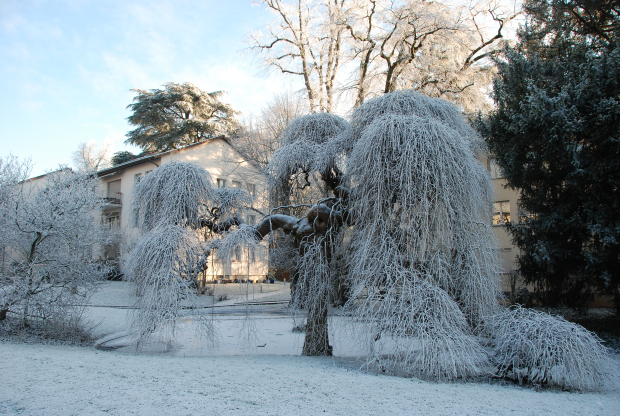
{"x": 555, "y": 134}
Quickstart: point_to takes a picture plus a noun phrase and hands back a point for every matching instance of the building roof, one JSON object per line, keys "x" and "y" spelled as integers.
{"x": 151, "y": 157}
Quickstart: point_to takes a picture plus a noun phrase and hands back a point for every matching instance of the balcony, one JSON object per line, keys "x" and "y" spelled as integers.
{"x": 111, "y": 203}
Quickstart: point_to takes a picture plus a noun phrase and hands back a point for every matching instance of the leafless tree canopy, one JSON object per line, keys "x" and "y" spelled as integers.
{"x": 92, "y": 157}
{"x": 368, "y": 47}
{"x": 50, "y": 240}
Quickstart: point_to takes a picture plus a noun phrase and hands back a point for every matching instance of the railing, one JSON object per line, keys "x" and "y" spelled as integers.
{"x": 112, "y": 201}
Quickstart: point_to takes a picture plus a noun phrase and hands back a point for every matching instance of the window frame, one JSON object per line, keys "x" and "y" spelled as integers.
{"x": 501, "y": 213}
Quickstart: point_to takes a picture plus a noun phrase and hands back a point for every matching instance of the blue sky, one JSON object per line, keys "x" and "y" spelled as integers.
{"x": 67, "y": 67}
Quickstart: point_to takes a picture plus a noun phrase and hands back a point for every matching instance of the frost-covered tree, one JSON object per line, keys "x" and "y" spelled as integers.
{"x": 555, "y": 136}
{"x": 401, "y": 221}
{"x": 406, "y": 226}
{"x": 170, "y": 205}
{"x": 178, "y": 115}
{"x": 370, "y": 47}
{"x": 51, "y": 241}
{"x": 407, "y": 230}
{"x": 92, "y": 157}
{"x": 305, "y": 41}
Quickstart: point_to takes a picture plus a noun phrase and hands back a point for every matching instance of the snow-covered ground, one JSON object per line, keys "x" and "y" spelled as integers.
{"x": 263, "y": 376}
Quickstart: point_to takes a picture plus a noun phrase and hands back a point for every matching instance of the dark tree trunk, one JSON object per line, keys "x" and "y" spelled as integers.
{"x": 317, "y": 335}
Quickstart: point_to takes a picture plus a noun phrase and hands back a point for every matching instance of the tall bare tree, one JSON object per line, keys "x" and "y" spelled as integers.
{"x": 305, "y": 41}
{"x": 259, "y": 137}
{"x": 91, "y": 156}
{"x": 379, "y": 46}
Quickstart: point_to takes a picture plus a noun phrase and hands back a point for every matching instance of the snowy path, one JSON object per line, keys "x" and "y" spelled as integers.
{"x": 55, "y": 380}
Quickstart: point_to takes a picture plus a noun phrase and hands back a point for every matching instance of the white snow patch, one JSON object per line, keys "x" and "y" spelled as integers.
{"x": 195, "y": 379}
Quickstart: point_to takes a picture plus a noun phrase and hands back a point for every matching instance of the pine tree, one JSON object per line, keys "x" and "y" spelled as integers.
{"x": 178, "y": 115}
{"x": 555, "y": 134}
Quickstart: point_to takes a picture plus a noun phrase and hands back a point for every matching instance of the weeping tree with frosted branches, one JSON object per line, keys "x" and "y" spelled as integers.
{"x": 408, "y": 199}
{"x": 401, "y": 220}
{"x": 406, "y": 228}
{"x": 170, "y": 206}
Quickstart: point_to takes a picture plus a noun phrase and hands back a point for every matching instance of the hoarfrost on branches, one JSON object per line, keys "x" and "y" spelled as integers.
{"x": 404, "y": 244}
{"x": 540, "y": 348}
{"x": 51, "y": 241}
{"x": 163, "y": 266}
{"x": 408, "y": 222}
{"x": 175, "y": 193}
{"x": 308, "y": 146}
{"x": 411, "y": 103}
{"x": 171, "y": 205}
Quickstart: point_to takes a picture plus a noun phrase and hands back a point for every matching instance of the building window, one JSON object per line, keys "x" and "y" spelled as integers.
{"x": 114, "y": 191}
{"x": 137, "y": 178}
{"x": 236, "y": 184}
{"x": 221, "y": 183}
{"x": 494, "y": 169}
{"x": 147, "y": 172}
{"x": 501, "y": 212}
{"x": 252, "y": 189}
{"x": 236, "y": 254}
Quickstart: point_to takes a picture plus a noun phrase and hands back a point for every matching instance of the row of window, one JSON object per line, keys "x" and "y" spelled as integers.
{"x": 138, "y": 176}
{"x": 501, "y": 213}
{"x": 250, "y": 187}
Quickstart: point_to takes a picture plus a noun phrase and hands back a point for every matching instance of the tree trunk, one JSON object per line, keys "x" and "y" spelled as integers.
{"x": 317, "y": 334}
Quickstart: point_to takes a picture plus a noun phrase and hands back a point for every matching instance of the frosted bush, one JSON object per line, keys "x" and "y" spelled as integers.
{"x": 535, "y": 347}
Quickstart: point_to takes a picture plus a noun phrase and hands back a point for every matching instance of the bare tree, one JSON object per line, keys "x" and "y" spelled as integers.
{"x": 306, "y": 41}
{"x": 440, "y": 49}
{"x": 52, "y": 239}
{"x": 259, "y": 137}
{"x": 91, "y": 156}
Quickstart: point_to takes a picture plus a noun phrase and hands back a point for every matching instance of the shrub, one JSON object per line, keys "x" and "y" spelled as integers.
{"x": 535, "y": 347}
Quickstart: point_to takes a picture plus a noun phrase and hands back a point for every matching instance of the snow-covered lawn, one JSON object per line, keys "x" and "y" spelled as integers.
{"x": 192, "y": 380}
